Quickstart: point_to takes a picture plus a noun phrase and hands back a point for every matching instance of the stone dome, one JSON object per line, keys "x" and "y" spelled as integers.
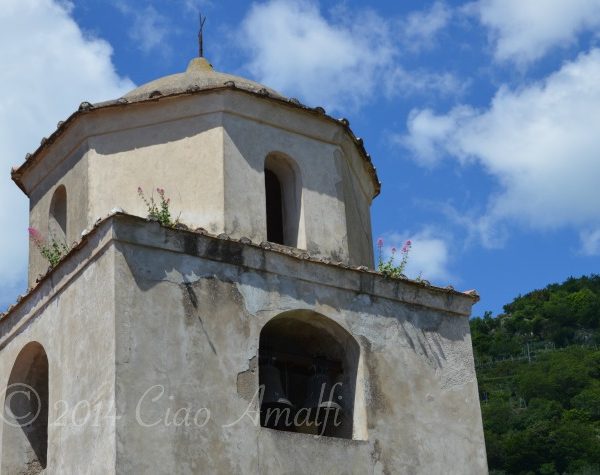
{"x": 199, "y": 75}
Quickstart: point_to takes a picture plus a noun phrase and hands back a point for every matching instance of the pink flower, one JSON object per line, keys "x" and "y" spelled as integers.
{"x": 393, "y": 250}
{"x": 380, "y": 242}
{"x": 34, "y": 233}
{"x": 406, "y": 246}
{"x": 35, "y": 236}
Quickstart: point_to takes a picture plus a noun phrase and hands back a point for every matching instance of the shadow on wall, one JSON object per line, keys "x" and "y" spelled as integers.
{"x": 427, "y": 332}
{"x": 57, "y": 222}
{"x": 154, "y": 134}
{"x": 25, "y": 416}
{"x": 414, "y": 324}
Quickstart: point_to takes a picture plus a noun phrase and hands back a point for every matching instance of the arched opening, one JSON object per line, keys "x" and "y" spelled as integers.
{"x": 25, "y": 421}
{"x": 283, "y": 195}
{"x": 307, "y": 374}
{"x": 274, "y": 207}
{"x": 57, "y": 222}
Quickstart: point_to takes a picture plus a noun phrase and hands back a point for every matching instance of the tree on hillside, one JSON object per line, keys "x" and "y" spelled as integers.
{"x": 541, "y": 409}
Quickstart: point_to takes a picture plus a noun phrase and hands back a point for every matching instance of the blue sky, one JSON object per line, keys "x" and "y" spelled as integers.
{"x": 481, "y": 117}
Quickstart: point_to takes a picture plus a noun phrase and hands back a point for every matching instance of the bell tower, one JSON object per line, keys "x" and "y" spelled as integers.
{"x": 252, "y": 337}
{"x": 234, "y": 156}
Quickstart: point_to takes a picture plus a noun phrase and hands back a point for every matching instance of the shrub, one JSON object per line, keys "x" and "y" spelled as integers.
{"x": 53, "y": 250}
{"x": 158, "y": 211}
{"x": 387, "y": 267}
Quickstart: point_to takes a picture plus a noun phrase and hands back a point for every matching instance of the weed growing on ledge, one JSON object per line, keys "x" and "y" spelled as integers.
{"x": 158, "y": 211}
{"x": 387, "y": 267}
{"x": 53, "y": 250}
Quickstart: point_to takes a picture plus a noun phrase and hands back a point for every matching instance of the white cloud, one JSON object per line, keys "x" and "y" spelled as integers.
{"x": 590, "y": 242}
{"x": 149, "y": 29}
{"x": 404, "y": 83}
{"x": 428, "y": 258}
{"x": 295, "y": 49}
{"x": 541, "y": 142}
{"x": 340, "y": 62}
{"x": 525, "y": 30}
{"x": 421, "y": 27}
{"x": 429, "y": 134}
{"x": 48, "y": 69}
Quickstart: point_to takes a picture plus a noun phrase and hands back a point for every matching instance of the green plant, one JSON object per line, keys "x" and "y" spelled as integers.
{"x": 388, "y": 267}
{"x": 158, "y": 211}
{"x": 53, "y": 250}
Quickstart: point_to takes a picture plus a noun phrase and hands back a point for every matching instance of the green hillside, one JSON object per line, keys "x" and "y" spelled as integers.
{"x": 538, "y": 367}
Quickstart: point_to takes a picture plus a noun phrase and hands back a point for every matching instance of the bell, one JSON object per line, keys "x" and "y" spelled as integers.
{"x": 276, "y": 408}
{"x": 321, "y": 396}
{"x": 325, "y": 414}
{"x": 273, "y": 393}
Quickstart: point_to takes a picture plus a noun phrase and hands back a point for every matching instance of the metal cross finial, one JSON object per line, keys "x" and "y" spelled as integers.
{"x": 201, "y": 35}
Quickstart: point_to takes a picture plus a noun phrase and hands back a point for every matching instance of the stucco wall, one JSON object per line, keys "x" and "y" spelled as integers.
{"x": 324, "y": 218}
{"x": 72, "y": 173}
{"x": 357, "y": 205}
{"x": 189, "y": 314}
{"x": 71, "y": 315}
{"x": 207, "y": 152}
{"x": 139, "y": 309}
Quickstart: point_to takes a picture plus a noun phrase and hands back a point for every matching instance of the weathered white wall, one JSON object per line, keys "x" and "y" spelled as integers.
{"x": 72, "y": 316}
{"x": 189, "y": 315}
{"x": 247, "y": 146}
{"x": 73, "y": 174}
{"x": 207, "y": 151}
{"x": 140, "y": 305}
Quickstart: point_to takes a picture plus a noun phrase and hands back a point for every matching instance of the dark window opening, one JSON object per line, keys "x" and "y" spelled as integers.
{"x": 57, "y": 222}
{"x": 307, "y": 375}
{"x": 25, "y": 427}
{"x": 283, "y": 200}
{"x": 274, "y": 207}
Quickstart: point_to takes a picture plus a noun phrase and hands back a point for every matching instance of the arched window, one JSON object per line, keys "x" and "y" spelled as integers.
{"x": 25, "y": 421}
{"x": 274, "y": 207}
{"x": 283, "y": 194}
{"x": 57, "y": 223}
{"x": 307, "y": 375}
